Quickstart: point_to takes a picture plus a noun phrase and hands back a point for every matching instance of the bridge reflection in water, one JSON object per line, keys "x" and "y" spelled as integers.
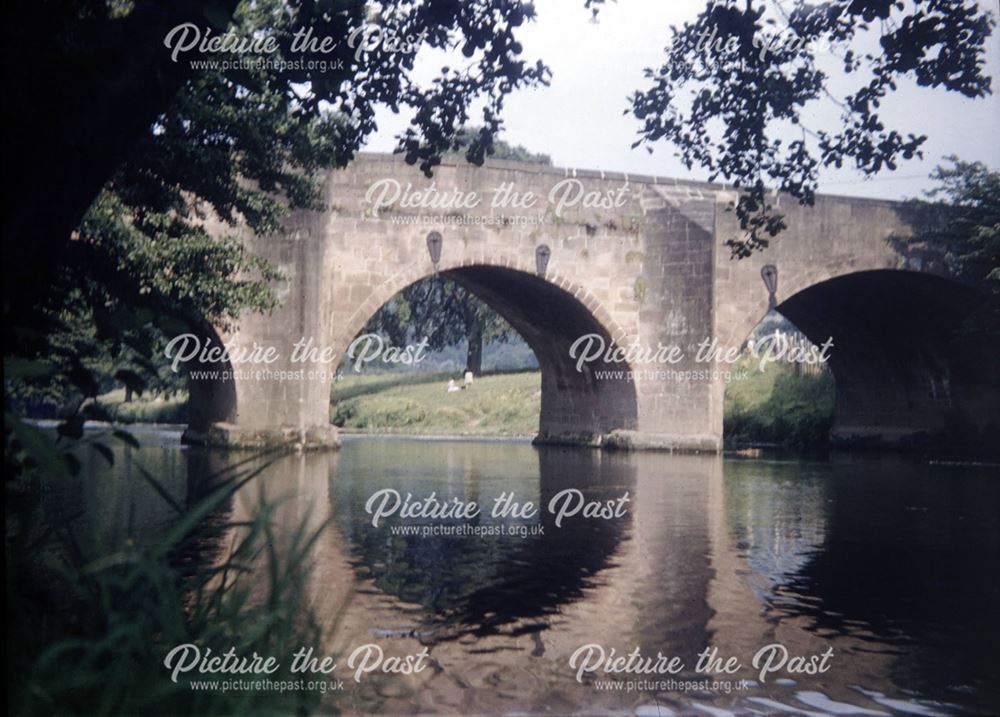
{"x": 887, "y": 562}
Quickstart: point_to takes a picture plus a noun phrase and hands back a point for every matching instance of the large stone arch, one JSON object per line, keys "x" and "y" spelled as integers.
{"x": 905, "y": 373}
{"x": 400, "y": 280}
{"x": 550, "y": 312}
{"x": 836, "y": 237}
{"x": 843, "y": 272}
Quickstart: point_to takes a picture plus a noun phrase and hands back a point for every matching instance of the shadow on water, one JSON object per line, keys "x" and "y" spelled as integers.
{"x": 896, "y": 554}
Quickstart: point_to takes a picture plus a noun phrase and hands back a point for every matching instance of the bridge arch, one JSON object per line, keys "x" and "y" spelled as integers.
{"x": 212, "y": 388}
{"x": 905, "y": 373}
{"x": 397, "y": 282}
{"x": 550, "y": 312}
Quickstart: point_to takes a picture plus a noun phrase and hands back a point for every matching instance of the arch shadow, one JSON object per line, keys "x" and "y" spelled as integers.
{"x": 211, "y": 389}
{"x": 495, "y": 583}
{"x": 906, "y": 373}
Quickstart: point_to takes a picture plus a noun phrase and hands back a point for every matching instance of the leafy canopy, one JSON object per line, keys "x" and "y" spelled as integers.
{"x": 739, "y": 82}
{"x": 958, "y": 232}
{"x": 239, "y": 145}
{"x": 445, "y": 313}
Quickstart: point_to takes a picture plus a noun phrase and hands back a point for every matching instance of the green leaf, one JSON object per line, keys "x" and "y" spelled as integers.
{"x": 38, "y": 446}
{"x": 105, "y": 451}
{"x": 126, "y": 438}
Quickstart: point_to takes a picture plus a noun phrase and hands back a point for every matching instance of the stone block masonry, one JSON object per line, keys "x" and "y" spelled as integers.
{"x": 628, "y": 259}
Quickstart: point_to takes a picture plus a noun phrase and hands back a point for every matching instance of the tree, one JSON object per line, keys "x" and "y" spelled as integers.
{"x": 445, "y": 313}
{"x": 97, "y": 93}
{"x": 231, "y": 141}
{"x": 734, "y": 89}
{"x": 959, "y": 232}
{"x": 497, "y": 148}
{"x": 440, "y": 309}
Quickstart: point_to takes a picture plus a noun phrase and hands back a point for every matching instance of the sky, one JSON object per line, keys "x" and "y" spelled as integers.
{"x": 578, "y": 120}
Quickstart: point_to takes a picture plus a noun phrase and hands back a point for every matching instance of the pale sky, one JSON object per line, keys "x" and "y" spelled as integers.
{"x": 579, "y": 120}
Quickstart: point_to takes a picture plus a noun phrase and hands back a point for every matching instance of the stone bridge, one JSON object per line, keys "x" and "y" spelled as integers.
{"x": 633, "y": 260}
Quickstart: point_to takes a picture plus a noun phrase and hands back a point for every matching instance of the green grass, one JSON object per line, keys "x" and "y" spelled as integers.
{"x": 498, "y": 404}
{"x": 778, "y": 406}
{"x": 145, "y": 409}
{"x": 772, "y": 406}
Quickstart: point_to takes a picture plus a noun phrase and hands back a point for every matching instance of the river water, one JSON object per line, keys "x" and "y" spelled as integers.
{"x": 886, "y": 564}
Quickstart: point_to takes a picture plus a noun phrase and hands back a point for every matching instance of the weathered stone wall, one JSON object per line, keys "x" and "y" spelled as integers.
{"x": 636, "y": 272}
{"x": 640, "y": 261}
{"x": 836, "y": 236}
{"x": 618, "y": 265}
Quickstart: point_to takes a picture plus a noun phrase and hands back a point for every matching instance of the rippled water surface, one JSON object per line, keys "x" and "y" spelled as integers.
{"x": 891, "y": 562}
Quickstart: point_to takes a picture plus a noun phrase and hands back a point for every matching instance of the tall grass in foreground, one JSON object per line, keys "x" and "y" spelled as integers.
{"x": 88, "y": 635}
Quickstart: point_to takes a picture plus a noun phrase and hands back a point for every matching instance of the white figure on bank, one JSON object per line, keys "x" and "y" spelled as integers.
{"x": 452, "y": 387}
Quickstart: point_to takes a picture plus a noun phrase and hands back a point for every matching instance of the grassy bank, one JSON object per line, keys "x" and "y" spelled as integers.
{"x": 772, "y": 406}
{"x": 778, "y": 406}
{"x": 498, "y": 404}
{"x": 145, "y": 409}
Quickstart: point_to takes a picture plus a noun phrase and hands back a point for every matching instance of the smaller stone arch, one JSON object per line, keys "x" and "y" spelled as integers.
{"x": 212, "y": 395}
